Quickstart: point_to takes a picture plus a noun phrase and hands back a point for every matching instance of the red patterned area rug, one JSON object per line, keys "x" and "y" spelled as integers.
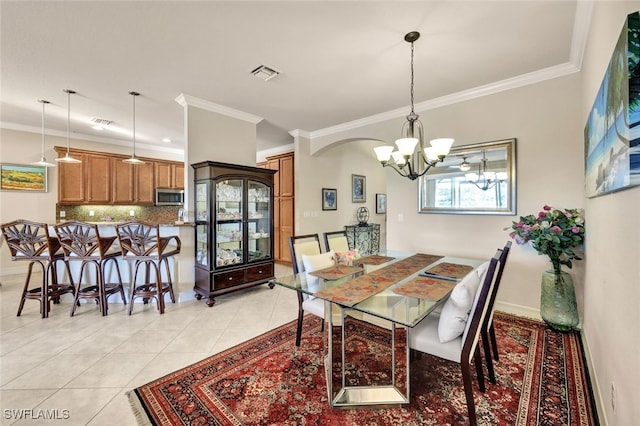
{"x": 269, "y": 381}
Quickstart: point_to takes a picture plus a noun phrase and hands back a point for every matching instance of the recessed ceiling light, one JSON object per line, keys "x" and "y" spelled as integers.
{"x": 166, "y": 140}
{"x": 264, "y": 72}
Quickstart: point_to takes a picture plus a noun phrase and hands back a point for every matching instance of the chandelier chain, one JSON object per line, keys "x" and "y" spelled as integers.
{"x": 412, "y": 112}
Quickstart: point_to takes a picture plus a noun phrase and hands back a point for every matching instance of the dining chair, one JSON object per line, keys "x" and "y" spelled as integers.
{"x": 30, "y": 241}
{"x": 336, "y": 241}
{"x": 82, "y": 242}
{"x": 487, "y": 330}
{"x": 307, "y": 247}
{"x": 141, "y": 242}
{"x": 462, "y": 349}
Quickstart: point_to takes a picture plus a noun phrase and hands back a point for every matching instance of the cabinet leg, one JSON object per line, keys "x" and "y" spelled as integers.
{"x": 271, "y": 285}
{"x": 211, "y": 301}
{"x": 198, "y": 296}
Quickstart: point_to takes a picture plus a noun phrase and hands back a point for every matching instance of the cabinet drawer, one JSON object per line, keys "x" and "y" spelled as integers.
{"x": 228, "y": 279}
{"x": 264, "y": 271}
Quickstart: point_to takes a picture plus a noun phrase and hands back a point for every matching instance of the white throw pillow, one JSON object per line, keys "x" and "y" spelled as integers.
{"x": 318, "y": 261}
{"x": 455, "y": 311}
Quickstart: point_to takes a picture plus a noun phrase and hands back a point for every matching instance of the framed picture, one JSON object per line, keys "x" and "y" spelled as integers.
{"x": 329, "y": 199}
{"x": 612, "y": 132}
{"x": 21, "y": 177}
{"x": 381, "y": 203}
{"x": 358, "y": 189}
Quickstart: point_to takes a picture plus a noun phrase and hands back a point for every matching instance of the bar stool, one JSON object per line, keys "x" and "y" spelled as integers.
{"x": 31, "y": 242}
{"x": 141, "y": 241}
{"x": 82, "y": 242}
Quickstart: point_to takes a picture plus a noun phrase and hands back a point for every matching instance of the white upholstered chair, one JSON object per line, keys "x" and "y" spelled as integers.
{"x": 307, "y": 247}
{"x": 425, "y": 336}
{"x": 336, "y": 241}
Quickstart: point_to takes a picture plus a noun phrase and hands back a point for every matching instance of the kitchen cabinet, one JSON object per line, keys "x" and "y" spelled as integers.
{"x": 234, "y": 228}
{"x": 133, "y": 183}
{"x": 284, "y": 202}
{"x": 169, "y": 175}
{"x": 86, "y": 182}
{"x": 103, "y": 178}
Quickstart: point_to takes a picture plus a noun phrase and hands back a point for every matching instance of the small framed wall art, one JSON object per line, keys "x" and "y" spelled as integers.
{"x": 358, "y": 189}
{"x": 381, "y": 203}
{"x": 22, "y": 177}
{"x": 329, "y": 199}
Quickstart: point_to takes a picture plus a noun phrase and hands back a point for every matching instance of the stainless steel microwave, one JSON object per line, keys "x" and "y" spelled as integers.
{"x": 169, "y": 197}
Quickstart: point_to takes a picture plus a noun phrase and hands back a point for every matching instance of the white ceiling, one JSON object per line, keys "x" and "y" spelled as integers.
{"x": 339, "y": 61}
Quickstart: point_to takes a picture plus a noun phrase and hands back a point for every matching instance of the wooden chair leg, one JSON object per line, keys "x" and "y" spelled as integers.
{"x": 477, "y": 360}
{"x": 487, "y": 356}
{"x": 25, "y": 289}
{"x": 468, "y": 391}
{"x": 300, "y": 317}
{"x": 494, "y": 343}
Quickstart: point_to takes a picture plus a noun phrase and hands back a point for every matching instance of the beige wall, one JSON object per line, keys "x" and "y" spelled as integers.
{"x": 332, "y": 168}
{"x": 612, "y": 284}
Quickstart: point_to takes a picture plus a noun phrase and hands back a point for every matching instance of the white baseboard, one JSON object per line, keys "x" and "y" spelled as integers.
{"x": 595, "y": 386}
{"x": 519, "y": 310}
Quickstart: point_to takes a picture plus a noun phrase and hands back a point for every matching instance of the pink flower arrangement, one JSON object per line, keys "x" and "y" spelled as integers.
{"x": 553, "y": 232}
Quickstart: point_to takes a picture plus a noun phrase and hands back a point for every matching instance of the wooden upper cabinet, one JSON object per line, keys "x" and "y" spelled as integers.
{"x": 144, "y": 183}
{"x": 286, "y": 176}
{"x": 169, "y": 175}
{"x": 98, "y": 178}
{"x": 103, "y": 178}
{"x": 133, "y": 183}
{"x": 71, "y": 180}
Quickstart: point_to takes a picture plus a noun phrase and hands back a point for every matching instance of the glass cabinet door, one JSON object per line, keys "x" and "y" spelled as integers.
{"x": 202, "y": 229}
{"x": 259, "y": 221}
{"x": 229, "y": 232}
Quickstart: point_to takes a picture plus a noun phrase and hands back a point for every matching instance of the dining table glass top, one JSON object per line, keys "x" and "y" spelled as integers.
{"x": 390, "y": 303}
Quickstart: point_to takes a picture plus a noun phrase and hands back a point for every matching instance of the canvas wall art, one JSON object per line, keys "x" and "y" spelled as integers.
{"x": 612, "y": 133}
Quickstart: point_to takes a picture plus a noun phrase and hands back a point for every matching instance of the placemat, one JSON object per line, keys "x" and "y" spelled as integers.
{"x": 425, "y": 288}
{"x": 374, "y": 259}
{"x": 449, "y": 270}
{"x": 336, "y": 272}
{"x": 356, "y": 290}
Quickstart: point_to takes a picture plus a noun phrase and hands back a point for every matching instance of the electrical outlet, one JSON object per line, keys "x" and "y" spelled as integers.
{"x": 91, "y": 213}
{"x": 63, "y": 213}
{"x": 613, "y": 397}
{"x": 132, "y": 213}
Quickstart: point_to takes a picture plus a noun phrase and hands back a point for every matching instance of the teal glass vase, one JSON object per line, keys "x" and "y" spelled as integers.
{"x": 558, "y": 306}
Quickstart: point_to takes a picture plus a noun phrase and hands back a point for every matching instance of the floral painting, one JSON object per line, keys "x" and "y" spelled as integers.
{"x": 612, "y": 133}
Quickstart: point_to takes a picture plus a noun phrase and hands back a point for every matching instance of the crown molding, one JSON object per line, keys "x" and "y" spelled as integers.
{"x": 90, "y": 138}
{"x": 300, "y": 133}
{"x": 275, "y": 151}
{"x": 188, "y": 100}
{"x": 581, "y": 25}
{"x": 465, "y": 95}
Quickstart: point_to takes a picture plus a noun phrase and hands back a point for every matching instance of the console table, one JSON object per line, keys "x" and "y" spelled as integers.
{"x": 366, "y": 238}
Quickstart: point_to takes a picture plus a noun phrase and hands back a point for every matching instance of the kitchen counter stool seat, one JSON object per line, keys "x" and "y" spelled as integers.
{"x": 82, "y": 242}
{"x": 30, "y": 241}
{"x": 141, "y": 242}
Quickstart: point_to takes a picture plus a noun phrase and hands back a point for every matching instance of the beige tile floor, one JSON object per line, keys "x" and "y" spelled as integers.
{"x": 79, "y": 368}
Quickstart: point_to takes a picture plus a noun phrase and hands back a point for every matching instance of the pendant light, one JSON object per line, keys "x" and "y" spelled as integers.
{"x": 43, "y": 161}
{"x": 406, "y": 160}
{"x": 68, "y": 158}
{"x": 134, "y": 159}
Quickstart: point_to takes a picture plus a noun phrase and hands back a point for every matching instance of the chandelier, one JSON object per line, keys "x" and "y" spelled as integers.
{"x": 406, "y": 160}
{"x": 484, "y": 179}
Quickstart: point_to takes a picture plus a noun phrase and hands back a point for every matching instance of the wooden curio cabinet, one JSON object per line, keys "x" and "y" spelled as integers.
{"x": 234, "y": 228}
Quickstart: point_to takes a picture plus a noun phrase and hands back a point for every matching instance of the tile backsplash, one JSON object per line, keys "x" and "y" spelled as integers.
{"x": 111, "y": 213}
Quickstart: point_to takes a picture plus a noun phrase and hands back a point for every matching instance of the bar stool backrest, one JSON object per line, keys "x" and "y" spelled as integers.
{"x": 29, "y": 240}
{"x": 140, "y": 240}
{"x": 82, "y": 240}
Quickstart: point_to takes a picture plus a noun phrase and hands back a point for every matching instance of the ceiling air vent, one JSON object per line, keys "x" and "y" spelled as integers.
{"x": 264, "y": 73}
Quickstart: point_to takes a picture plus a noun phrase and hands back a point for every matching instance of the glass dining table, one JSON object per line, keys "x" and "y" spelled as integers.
{"x": 372, "y": 308}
